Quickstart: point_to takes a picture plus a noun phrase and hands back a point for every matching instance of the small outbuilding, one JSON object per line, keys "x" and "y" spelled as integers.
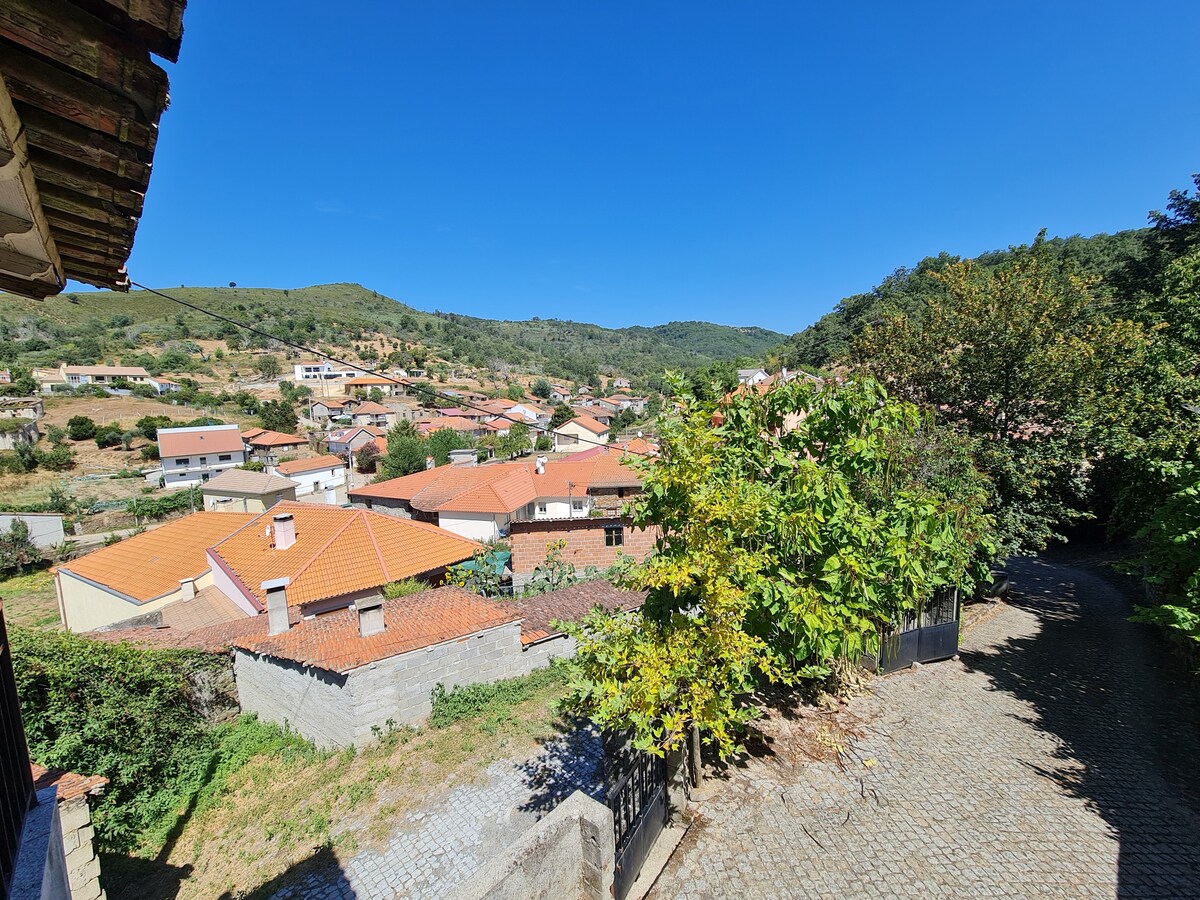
{"x": 240, "y": 490}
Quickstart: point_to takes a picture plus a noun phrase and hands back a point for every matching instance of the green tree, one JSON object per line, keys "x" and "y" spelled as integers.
{"x": 791, "y": 535}
{"x": 442, "y": 441}
{"x": 1022, "y": 358}
{"x": 267, "y": 365}
{"x": 17, "y": 550}
{"x": 561, "y": 415}
{"x": 540, "y": 388}
{"x": 81, "y": 428}
{"x": 516, "y": 393}
{"x": 516, "y": 441}
{"x": 366, "y": 459}
{"x": 277, "y": 415}
{"x": 406, "y": 453}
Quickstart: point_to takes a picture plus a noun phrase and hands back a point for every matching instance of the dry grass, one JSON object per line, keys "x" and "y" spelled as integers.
{"x": 30, "y": 600}
{"x": 279, "y": 812}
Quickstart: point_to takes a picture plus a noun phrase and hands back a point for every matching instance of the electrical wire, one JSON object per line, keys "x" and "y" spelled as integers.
{"x": 408, "y": 386}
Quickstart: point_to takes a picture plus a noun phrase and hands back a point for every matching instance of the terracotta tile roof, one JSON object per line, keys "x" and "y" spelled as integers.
{"x": 338, "y": 551}
{"x": 570, "y": 604}
{"x": 259, "y": 437}
{"x": 173, "y": 442}
{"x": 151, "y": 564}
{"x": 455, "y": 423}
{"x": 587, "y": 422}
{"x": 507, "y": 492}
{"x": 370, "y": 380}
{"x": 244, "y": 481}
{"x": 375, "y": 409}
{"x": 216, "y": 638}
{"x": 329, "y": 403}
{"x": 70, "y": 784}
{"x": 297, "y": 466}
{"x": 345, "y": 435}
{"x": 332, "y": 641}
{"x": 208, "y": 607}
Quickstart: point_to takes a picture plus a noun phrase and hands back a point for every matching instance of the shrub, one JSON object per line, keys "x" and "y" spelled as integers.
{"x": 59, "y": 459}
{"x": 494, "y": 700}
{"x": 405, "y": 587}
{"x": 16, "y": 549}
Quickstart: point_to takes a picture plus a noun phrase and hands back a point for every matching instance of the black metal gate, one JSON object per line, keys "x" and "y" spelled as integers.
{"x": 926, "y": 635}
{"x": 638, "y": 800}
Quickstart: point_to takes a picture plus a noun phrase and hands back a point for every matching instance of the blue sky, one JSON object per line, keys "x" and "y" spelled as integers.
{"x": 622, "y": 163}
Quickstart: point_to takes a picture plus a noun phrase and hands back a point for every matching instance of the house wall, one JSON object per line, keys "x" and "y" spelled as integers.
{"x": 227, "y": 584}
{"x": 584, "y": 542}
{"x": 476, "y": 526}
{"x": 193, "y": 472}
{"x": 540, "y": 655}
{"x": 87, "y": 606}
{"x": 45, "y": 530}
{"x": 313, "y": 702}
{"x": 307, "y": 482}
{"x": 79, "y": 849}
{"x": 229, "y": 501}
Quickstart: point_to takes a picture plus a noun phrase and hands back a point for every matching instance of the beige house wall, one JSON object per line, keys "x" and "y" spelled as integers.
{"x": 86, "y": 606}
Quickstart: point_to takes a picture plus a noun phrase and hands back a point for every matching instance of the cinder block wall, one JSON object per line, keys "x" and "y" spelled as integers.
{"x": 584, "y": 542}
{"x": 313, "y": 702}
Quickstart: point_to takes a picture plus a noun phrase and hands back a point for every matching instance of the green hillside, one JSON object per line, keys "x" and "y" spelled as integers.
{"x": 823, "y": 343}
{"x": 82, "y": 327}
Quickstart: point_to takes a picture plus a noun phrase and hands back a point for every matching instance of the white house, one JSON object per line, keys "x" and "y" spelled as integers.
{"x": 165, "y": 385}
{"x": 76, "y": 376}
{"x": 324, "y": 477}
{"x": 580, "y": 431}
{"x": 752, "y": 377}
{"x": 318, "y": 370}
{"x": 348, "y": 440}
{"x": 193, "y": 455}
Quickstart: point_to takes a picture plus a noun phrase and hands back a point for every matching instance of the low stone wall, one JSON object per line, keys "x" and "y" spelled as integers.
{"x": 568, "y": 854}
{"x": 78, "y": 843}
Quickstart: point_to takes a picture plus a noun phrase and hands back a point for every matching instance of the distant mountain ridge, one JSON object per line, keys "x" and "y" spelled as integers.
{"x": 334, "y": 314}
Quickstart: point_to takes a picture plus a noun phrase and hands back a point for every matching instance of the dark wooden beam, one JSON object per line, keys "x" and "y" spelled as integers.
{"x": 157, "y": 23}
{"x": 82, "y": 145}
{"x": 50, "y": 169}
{"x": 36, "y": 289}
{"x": 62, "y": 33}
{"x": 35, "y": 82}
{"x": 10, "y": 224}
{"x": 18, "y": 264}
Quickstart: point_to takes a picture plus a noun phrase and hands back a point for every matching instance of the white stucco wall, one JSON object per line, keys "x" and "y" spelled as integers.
{"x": 87, "y": 606}
{"x": 476, "y": 526}
{"x": 45, "y": 530}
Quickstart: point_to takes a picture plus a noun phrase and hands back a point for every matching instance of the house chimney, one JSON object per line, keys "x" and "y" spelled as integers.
{"x": 539, "y": 465}
{"x": 370, "y": 616}
{"x": 285, "y": 530}
{"x": 277, "y": 606}
{"x": 187, "y": 588}
{"x": 429, "y": 462}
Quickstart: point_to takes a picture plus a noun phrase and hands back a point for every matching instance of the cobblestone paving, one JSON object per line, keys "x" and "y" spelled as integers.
{"x": 1057, "y": 758}
{"x": 437, "y": 847}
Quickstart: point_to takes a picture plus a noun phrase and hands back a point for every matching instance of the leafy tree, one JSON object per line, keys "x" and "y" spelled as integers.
{"x": 267, "y": 365}
{"x": 561, "y": 415}
{"x": 442, "y": 441}
{"x": 543, "y": 443}
{"x": 80, "y": 428}
{"x": 540, "y": 388}
{"x": 108, "y": 435}
{"x": 553, "y": 572}
{"x": 149, "y": 425}
{"x": 233, "y": 342}
{"x": 791, "y": 536}
{"x": 277, "y": 415}
{"x": 366, "y": 459}
{"x": 516, "y": 393}
{"x": 516, "y": 441}
{"x": 1022, "y": 358}
{"x": 406, "y": 452}
{"x": 17, "y": 550}
{"x": 1171, "y": 555}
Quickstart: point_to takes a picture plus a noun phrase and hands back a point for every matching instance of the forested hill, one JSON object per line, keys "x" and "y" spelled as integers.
{"x": 825, "y": 342}
{"x": 82, "y": 325}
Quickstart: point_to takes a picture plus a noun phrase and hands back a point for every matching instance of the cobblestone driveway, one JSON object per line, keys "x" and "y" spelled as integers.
{"x": 1056, "y": 759}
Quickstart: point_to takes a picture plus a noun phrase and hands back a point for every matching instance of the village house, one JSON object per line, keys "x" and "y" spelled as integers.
{"x": 104, "y": 376}
{"x": 320, "y": 370}
{"x": 351, "y": 440}
{"x": 617, "y": 402}
{"x": 195, "y": 454}
{"x": 165, "y": 385}
{"x": 323, "y": 478}
{"x": 340, "y": 678}
{"x": 579, "y": 431}
{"x": 327, "y": 408}
{"x": 371, "y": 413}
{"x": 599, "y": 413}
{"x": 332, "y": 556}
{"x": 560, "y": 393}
{"x": 619, "y": 384}
{"x": 267, "y": 446}
{"x": 239, "y": 490}
{"x": 364, "y": 384}
{"x": 752, "y": 377}
{"x": 455, "y": 423}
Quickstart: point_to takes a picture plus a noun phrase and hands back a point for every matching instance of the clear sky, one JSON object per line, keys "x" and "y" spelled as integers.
{"x": 621, "y": 163}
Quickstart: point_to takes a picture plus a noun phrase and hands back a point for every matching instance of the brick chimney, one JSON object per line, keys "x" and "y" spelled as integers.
{"x": 187, "y": 588}
{"x": 285, "y": 530}
{"x": 370, "y": 616}
{"x": 277, "y": 606}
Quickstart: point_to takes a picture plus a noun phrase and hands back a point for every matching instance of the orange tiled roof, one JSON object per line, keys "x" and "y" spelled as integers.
{"x": 370, "y": 406}
{"x": 337, "y": 551}
{"x": 296, "y": 466}
{"x": 259, "y": 437}
{"x": 70, "y": 784}
{"x": 332, "y": 641}
{"x": 151, "y": 564}
{"x": 590, "y": 424}
{"x": 455, "y": 423}
{"x": 189, "y": 442}
{"x": 571, "y": 604}
{"x": 370, "y": 379}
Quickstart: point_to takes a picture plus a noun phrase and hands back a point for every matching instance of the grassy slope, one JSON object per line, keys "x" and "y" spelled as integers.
{"x": 29, "y": 599}
{"x": 542, "y": 344}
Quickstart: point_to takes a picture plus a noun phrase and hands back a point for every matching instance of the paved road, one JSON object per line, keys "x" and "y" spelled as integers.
{"x": 1058, "y": 758}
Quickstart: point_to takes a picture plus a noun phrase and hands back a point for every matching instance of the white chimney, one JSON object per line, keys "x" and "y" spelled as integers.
{"x": 429, "y": 462}
{"x": 330, "y": 495}
{"x": 277, "y": 606}
{"x": 540, "y": 465}
{"x": 285, "y": 530}
{"x": 370, "y": 616}
{"x": 187, "y": 588}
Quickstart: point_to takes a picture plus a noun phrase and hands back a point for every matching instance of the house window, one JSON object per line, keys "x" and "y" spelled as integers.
{"x": 614, "y": 536}
{"x": 577, "y": 505}
{"x": 182, "y": 462}
{"x": 542, "y": 509}
{"x": 204, "y": 460}
{"x": 224, "y": 457}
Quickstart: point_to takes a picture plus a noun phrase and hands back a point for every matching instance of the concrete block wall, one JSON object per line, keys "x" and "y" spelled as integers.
{"x": 400, "y": 688}
{"x": 79, "y": 848}
{"x": 539, "y": 655}
{"x": 584, "y": 539}
{"x": 313, "y": 702}
{"x": 569, "y": 853}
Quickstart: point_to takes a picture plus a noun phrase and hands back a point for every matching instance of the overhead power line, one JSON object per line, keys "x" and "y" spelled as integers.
{"x": 408, "y": 386}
